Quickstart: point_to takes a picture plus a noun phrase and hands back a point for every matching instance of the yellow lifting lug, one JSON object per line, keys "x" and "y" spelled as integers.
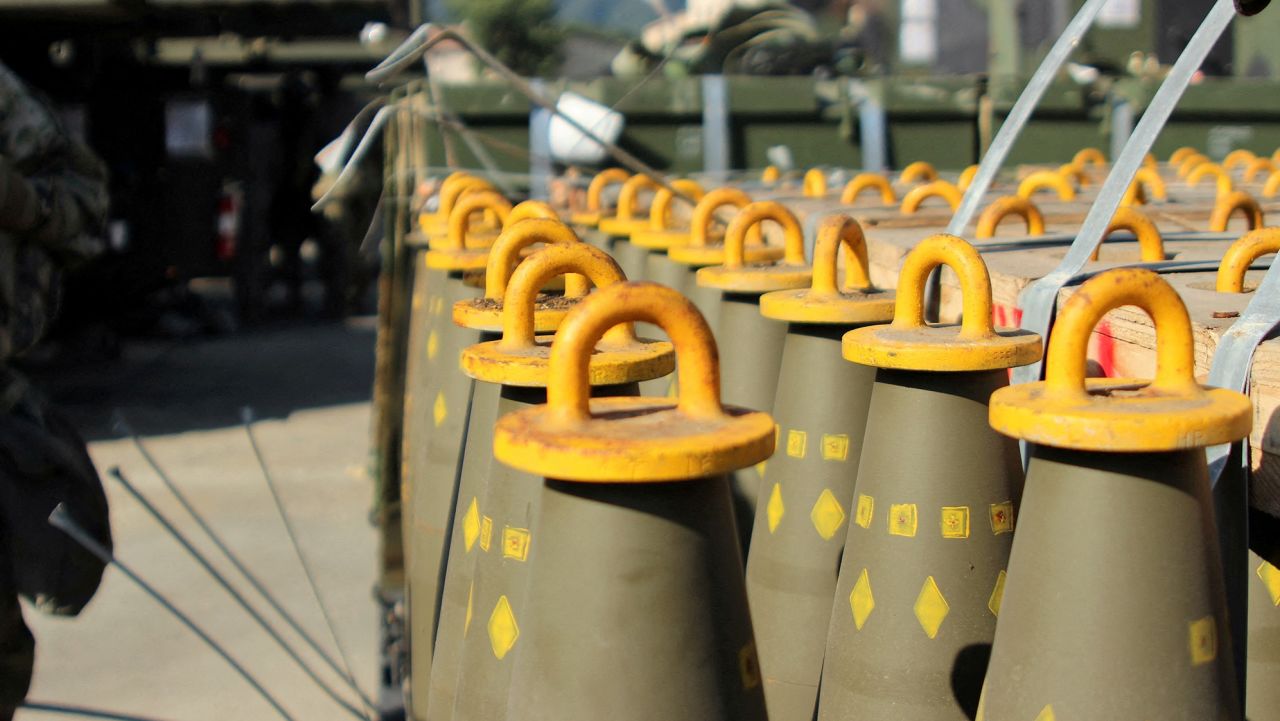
{"x": 1004, "y": 207}
{"x": 1171, "y": 412}
{"x": 1241, "y": 254}
{"x": 633, "y": 440}
{"x": 1227, "y": 205}
{"x": 434, "y": 225}
{"x": 705, "y": 249}
{"x": 1046, "y": 180}
{"x": 918, "y": 172}
{"x": 1089, "y": 156}
{"x": 770, "y": 175}
{"x": 815, "y": 183}
{"x": 739, "y": 276}
{"x": 966, "y": 177}
{"x": 908, "y": 343}
{"x": 1203, "y": 170}
{"x": 826, "y": 302}
{"x": 590, "y": 217}
{"x": 1150, "y": 243}
{"x": 486, "y": 313}
{"x": 863, "y": 182}
{"x": 455, "y": 254}
{"x": 936, "y": 189}
{"x": 520, "y": 358}
{"x": 1182, "y": 154}
{"x": 1257, "y": 167}
{"x": 629, "y": 217}
{"x": 1239, "y": 156}
{"x": 661, "y": 234}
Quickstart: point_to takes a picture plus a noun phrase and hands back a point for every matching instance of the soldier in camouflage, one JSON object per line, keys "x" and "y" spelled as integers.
{"x": 53, "y": 204}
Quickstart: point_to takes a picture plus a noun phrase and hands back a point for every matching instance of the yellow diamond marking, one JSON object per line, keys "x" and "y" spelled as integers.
{"x": 471, "y": 524}
{"x": 433, "y": 345}
{"x": 835, "y": 447}
{"x": 749, "y": 666}
{"x": 997, "y": 595}
{"x": 902, "y": 519}
{"x": 1002, "y": 518}
{"x": 931, "y": 608}
{"x": 775, "y": 508}
{"x": 955, "y": 521}
{"x": 861, "y": 600}
{"x": 827, "y": 514}
{"x": 503, "y": 630}
{"x": 440, "y": 410}
{"x": 1204, "y": 641}
{"x": 1270, "y": 576}
{"x": 1046, "y": 714}
{"x": 515, "y": 543}
{"x": 437, "y": 305}
{"x": 466, "y": 622}
{"x": 866, "y": 509}
{"x": 486, "y": 533}
{"x": 797, "y": 442}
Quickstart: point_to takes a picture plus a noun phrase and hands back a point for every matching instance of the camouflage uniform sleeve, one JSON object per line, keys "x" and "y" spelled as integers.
{"x": 70, "y": 179}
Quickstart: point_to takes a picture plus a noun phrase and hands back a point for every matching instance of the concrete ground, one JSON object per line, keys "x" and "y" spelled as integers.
{"x": 310, "y": 387}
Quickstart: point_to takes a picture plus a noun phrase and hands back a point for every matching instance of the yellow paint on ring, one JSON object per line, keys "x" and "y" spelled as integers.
{"x": 966, "y": 177}
{"x": 520, "y": 358}
{"x": 700, "y": 250}
{"x": 627, "y": 220}
{"x": 1089, "y": 156}
{"x": 1046, "y": 180}
{"x": 919, "y": 171}
{"x": 1238, "y": 157}
{"x": 908, "y": 343}
{"x": 1004, "y": 207}
{"x": 1241, "y": 254}
{"x": 1171, "y": 412}
{"x": 1150, "y": 243}
{"x": 815, "y": 183}
{"x": 1182, "y": 154}
{"x": 1204, "y": 170}
{"x": 736, "y": 275}
{"x": 1231, "y": 203}
{"x": 863, "y": 182}
{"x": 1258, "y": 166}
{"x": 936, "y": 189}
{"x": 1272, "y": 186}
{"x": 853, "y": 302}
{"x": 590, "y": 218}
{"x": 454, "y": 254}
{"x": 633, "y": 440}
{"x": 660, "y": 234}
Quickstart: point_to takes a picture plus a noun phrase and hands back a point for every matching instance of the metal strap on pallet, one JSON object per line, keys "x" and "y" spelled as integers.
{"x": 1038, "y": 300}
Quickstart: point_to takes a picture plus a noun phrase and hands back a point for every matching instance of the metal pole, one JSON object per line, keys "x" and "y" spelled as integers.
{"x": 539, "y": 148}
{"x": 715, "y": 126}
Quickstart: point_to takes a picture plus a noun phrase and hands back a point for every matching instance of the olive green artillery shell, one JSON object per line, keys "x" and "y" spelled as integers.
{"x": 660, "y": 269}
{"x": 804, "y": 507}
{"x": 497, "y": 595}
{"x": 595, "y": 237}
{"x": 490, "y": 496}
{"x": 931, "y": 528}
{"x": 750, "y": 360}
{"x": 1262, "y": 694}
{"x": 636, "y": 608}
{"x": 632, "y": 258}
{"x": 437, "y": 402}
{"x": 1114, "y": 606}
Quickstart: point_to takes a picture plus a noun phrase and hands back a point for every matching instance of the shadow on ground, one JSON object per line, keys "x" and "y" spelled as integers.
{"x": 166, "y": 387}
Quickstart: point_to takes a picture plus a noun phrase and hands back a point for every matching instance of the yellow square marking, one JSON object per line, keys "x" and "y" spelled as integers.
{"x": 1204, "y": 641}
{"x": 503, "y": 629}
{"x": 433, "y": 345}
{"x": 955, "y": 521}
{"x": 835, "y": 447}
{"x": 486, "y": 533}
{"x": 797, "y": 441}
{"x": 997, "y": 595}
{"x": 775, "y": 508}
{"x": 866, "y": 509}
{"x": 931, "y": 607}
{"x": 1002, "y": 517}
{"x": 827, "y": 514}
{"x": 471, "y": 525}
{"x": 515, "y": 543}
{"x": 902, "y": 519}
{"x": 1270, "y": 576}
{"x": 861, "y": 600}
{"x": 749, "y": 666}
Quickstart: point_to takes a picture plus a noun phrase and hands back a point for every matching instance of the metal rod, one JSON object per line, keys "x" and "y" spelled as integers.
{"x": 69, "y": 710}
{"x": 231, "y": 556}
{"x": 62, "y": 520}
{"x": 238, "y": 597}
{"x": 246, "y": 415}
